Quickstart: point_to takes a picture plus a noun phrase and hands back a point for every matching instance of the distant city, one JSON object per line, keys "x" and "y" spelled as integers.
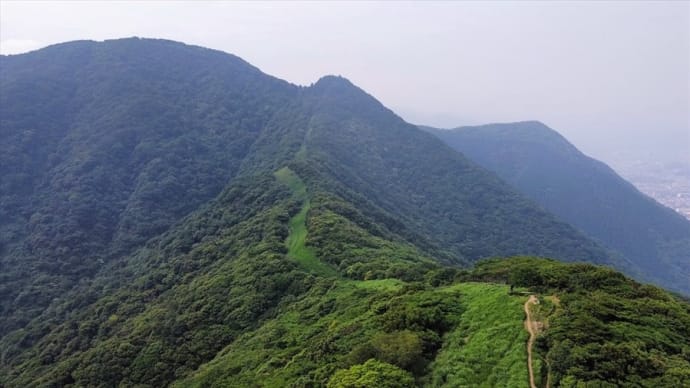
{"x": 667, "y": 182}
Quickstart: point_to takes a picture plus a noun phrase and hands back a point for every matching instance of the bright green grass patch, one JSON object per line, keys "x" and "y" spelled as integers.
{"x": 296, "y": 240}
{"x": 293, "y": 181}
{"x": 488, "y": 348}
{"x": 380, "y": 284}
{"x": 298, "y": 250}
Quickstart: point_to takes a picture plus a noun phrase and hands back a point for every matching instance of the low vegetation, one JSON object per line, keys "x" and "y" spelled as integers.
{"x": 296, "y": 240}
{"x": 487, "y": 349}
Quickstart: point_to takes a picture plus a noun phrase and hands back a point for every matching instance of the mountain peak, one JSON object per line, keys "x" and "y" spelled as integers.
{"x": 336, "y": 84}
{"x": 143, "y": 52}
{"x": 528, "y": 126}
{"x": 339, "y": 94}
{"x": 532, "y": 131}
{"x": 334, "y": 80}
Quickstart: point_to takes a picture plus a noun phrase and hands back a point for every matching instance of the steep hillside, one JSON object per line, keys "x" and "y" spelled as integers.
{"x": 107, "y": 145}
{"x": 359, "y": 149}
{"x": 585, "y": 193}
{"x": 171, "y": 215}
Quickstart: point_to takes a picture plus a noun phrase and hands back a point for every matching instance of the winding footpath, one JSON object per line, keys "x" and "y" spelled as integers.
{"x": 529, "y": 325}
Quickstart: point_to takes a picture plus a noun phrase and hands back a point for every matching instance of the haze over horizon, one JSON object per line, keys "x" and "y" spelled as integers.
{"x": 611, "y": 77}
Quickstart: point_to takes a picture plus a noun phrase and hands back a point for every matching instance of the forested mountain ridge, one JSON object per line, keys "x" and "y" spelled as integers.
{"x": 356, "y": 142}
{"x": 107, "y": 145}
{"x": 186, "y": 219}
{"x": 585, "y": 193}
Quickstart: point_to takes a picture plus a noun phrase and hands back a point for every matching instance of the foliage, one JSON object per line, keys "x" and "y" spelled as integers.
{"x": 336, "y": 325}
{"x": 487, "y": 348}
{"x": 106, "y": 146}
{"x": 175, "y": 305}
{"x": 608, "y": 329}
{"x": 401, "y": 348}
{"x": 372, "y": 373}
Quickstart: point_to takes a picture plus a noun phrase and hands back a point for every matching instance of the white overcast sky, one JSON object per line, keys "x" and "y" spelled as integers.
{"x": 613, "y": 77}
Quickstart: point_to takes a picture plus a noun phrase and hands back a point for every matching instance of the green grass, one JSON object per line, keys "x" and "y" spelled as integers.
{"x": 298, "y": 250}
{"x": 293, "y": 181}
{"x": 487, "y": 349}
{"x": 296, "y": 240}
{"x": 390, "y": 285}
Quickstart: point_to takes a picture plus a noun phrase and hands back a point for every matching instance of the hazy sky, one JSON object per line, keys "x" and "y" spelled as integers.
{"x": 613, "y": 77}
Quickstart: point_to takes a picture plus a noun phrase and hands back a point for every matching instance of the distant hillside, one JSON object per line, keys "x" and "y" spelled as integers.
{"x": 585, "y": 193}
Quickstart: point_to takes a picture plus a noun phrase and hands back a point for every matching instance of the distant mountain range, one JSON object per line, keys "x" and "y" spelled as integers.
{"x": 170, "y": 215}
{"x": 585, "y": 193}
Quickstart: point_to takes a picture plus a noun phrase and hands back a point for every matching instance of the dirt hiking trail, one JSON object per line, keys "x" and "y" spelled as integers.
{"x": 529, "y": 325}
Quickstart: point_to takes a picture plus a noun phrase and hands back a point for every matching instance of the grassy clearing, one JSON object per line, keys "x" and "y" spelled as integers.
{"x": 293, "y": 181}
{"x": 487, "y": 349}
{"x": 298, "y": 250}
{"x": 296, "y": 240}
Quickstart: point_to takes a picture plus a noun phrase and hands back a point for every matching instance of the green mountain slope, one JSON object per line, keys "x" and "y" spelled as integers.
{"x": 358, "y": 148}
{"x": 109, "y": 144}
{"x": 585, "y": 193}
{"x": 187, "y": 220}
